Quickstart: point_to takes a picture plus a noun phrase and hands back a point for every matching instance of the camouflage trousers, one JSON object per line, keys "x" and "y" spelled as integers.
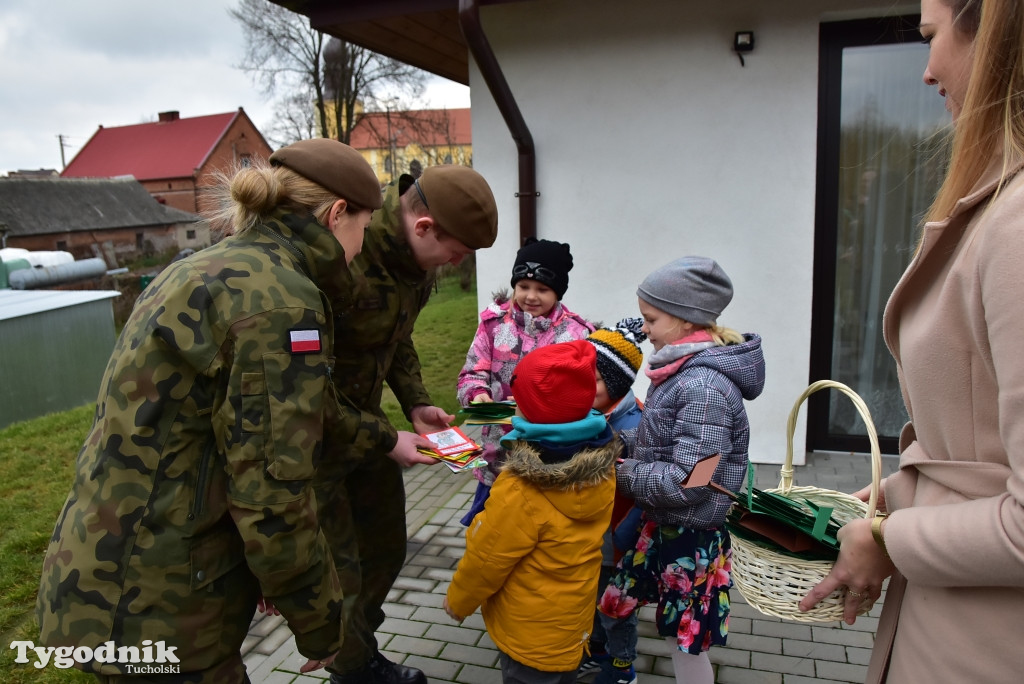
{"x": 233, "y": 597}
{"x": 362, "y": 514}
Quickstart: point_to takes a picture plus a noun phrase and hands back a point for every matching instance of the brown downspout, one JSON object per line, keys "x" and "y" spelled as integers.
{"x": 483, "y": 55}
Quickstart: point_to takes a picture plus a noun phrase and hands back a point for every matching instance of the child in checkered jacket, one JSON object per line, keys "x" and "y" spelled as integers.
{"x": 700, "y": 375}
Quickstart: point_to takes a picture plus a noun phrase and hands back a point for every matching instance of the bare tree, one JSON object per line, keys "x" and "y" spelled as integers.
{"x": 282, "y": 50}
{"x": 294, "y": 118}
{"x": 285, "y": 53}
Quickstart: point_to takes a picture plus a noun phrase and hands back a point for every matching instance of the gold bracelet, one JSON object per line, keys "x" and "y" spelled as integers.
{"x": 876, "y": 532}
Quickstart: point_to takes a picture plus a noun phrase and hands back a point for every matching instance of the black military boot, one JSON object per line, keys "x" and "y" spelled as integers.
{"x": 387, "y": 672}
{"x": 380, "y": 670}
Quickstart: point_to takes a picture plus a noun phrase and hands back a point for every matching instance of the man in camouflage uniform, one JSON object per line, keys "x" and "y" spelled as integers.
{"x": 448, "y": 213}
{"x": 193, "y": 495}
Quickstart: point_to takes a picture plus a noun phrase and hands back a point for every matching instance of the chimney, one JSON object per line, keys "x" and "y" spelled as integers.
{"x": 169, "y": 116}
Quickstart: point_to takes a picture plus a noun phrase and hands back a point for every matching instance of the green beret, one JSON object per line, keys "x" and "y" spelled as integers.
{"x": 335, "y": 166}
{"x": 461, "y": 202}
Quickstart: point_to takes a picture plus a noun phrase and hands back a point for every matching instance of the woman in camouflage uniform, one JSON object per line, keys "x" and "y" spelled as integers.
{"x": 193, "y": 496}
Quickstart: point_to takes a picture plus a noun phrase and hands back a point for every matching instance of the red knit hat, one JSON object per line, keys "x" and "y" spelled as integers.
{"x": 556, "y": 383}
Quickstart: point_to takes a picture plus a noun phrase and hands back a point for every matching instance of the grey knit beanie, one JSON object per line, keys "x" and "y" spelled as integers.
{"x": 692, "y": 288}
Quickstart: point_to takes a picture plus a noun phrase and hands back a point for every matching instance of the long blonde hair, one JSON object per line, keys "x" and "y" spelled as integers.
{"x": 724, "y": 336}
{"x": 249, "y": 194}
{"x": 721, "y": 335}
{"x": 991, "y": 123}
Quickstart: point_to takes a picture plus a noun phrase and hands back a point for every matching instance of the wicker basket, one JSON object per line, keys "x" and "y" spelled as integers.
{"x": 774, "y": 582}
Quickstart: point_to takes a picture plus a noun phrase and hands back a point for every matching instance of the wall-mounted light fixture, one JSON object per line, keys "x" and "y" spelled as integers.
{"x": 743, "y": 42}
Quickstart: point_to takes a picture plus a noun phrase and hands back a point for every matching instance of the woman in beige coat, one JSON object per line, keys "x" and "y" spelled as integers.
{"x": 953, "y": 541}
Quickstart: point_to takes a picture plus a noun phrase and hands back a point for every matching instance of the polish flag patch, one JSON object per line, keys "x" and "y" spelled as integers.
{"x": 304, "y": 341}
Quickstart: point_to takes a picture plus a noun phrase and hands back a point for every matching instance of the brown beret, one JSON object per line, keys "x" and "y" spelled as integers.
{"x": 461, "y": 202}
{"x": 335, "y": 166}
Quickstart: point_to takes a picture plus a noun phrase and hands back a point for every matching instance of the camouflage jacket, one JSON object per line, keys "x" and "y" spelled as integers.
{"x": 373, "y": 335}
{"x": 193, "y": 490}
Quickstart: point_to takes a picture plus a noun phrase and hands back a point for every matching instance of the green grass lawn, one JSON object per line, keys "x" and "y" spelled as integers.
{"x": 37, "y": 466}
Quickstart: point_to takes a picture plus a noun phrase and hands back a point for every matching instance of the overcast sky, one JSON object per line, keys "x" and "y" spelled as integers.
{"x": 69, "y": 66}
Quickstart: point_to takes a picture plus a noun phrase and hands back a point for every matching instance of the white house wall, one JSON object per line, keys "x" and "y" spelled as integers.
{"x": 653, "y": 142}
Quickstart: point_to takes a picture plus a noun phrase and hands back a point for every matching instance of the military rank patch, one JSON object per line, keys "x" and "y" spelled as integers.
{"x": 304, "y": 341}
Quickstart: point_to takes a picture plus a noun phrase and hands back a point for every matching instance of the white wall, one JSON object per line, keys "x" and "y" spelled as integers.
{"x": 652, "y": 143}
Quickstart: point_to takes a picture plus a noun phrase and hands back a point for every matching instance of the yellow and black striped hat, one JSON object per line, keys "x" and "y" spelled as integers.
{"x": 618, "y": 354}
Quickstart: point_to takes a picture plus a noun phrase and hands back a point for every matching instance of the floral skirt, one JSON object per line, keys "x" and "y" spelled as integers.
{"x": 684, "y": 571}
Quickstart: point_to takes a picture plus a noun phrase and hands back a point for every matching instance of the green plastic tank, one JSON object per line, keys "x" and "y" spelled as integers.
{"x": 7, "y": 267}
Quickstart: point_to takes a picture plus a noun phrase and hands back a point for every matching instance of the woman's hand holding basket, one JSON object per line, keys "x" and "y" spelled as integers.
{"x": 862, "y": 567}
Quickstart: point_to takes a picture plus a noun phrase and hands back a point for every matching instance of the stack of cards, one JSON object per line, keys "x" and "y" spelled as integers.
{"x": 455, "y": 449}
{"x": 488, "y": 413}
{"x": 796, "y": 527}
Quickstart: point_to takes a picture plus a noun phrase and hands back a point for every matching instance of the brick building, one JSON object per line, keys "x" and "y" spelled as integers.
{"x": 88, "y": 217}
{"x": 173, "y": 158}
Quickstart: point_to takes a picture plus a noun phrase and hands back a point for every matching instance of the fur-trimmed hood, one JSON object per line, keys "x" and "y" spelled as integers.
{"x": 565, "y": 483}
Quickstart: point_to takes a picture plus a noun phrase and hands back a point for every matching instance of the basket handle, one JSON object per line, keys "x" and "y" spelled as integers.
{"x": 876, "y": 456}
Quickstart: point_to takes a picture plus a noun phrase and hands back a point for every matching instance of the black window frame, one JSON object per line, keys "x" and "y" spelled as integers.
{"x": 834, "y": 37}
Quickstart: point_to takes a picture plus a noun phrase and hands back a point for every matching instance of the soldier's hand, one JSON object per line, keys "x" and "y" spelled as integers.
{"x": 429, "y": 419}
{"x": 265, "y": 605}
{"x": 405, "y": 453}
{"x": 317, "y": 664}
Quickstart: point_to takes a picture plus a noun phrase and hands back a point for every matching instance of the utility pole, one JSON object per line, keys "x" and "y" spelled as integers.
{"x": 60, "y": 138}
{"x": 391, "y": 138}
{"x": 391, "y": 155}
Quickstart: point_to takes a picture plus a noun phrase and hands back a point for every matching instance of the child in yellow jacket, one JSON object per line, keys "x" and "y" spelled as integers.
{"x": 533, "y": 555}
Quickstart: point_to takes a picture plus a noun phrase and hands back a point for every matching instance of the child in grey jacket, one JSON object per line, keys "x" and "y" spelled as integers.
{"x": 700, "y": 374}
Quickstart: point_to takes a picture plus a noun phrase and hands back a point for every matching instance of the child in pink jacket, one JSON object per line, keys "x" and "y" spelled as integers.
{"x": 534, "y": 317}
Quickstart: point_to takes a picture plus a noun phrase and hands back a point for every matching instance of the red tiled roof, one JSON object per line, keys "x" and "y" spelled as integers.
{"x": 162, "y": 149}
{"x": 425, "y": 127}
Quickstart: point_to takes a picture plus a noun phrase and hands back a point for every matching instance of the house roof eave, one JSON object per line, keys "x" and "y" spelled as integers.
{"x": 422, "y": 33}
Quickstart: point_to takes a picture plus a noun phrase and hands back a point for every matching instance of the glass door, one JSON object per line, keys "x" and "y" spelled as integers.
{"x": 881, "y": 140}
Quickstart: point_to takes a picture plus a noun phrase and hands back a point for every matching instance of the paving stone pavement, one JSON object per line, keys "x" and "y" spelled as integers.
{"x": 761, "y": 650}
